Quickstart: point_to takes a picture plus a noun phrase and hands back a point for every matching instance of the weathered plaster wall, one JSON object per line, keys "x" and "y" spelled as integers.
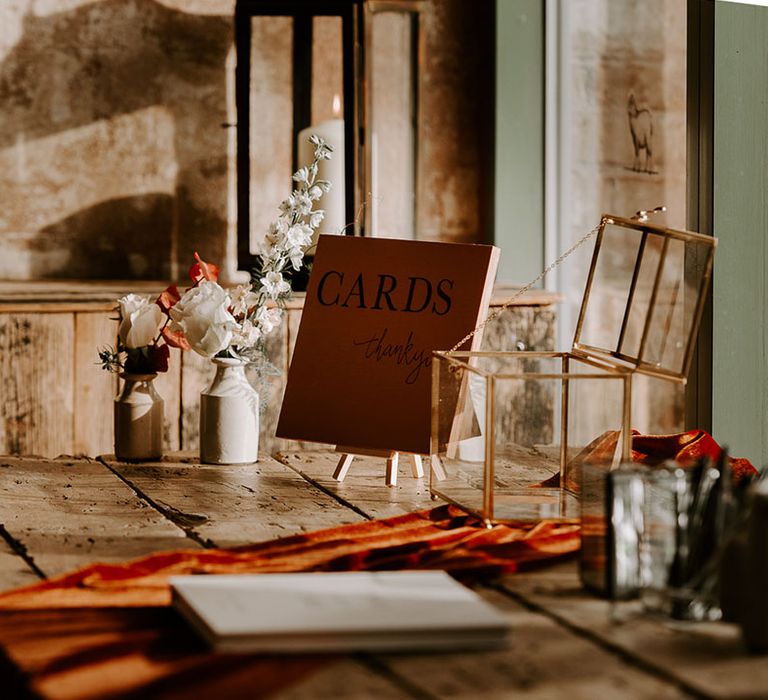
{"x": 114, "y": 162}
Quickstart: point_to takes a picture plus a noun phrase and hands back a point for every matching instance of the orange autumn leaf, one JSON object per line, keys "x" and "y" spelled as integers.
{"x": 176, "y": 339}
{"x": 202, "y": 270}
{"x": 168, "y": 297}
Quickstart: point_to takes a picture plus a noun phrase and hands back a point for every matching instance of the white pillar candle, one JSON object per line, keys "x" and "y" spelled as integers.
{"x": 333, "y": 202}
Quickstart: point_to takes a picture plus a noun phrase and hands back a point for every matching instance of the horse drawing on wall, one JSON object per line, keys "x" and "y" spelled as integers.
{"x": 641, "y": 128}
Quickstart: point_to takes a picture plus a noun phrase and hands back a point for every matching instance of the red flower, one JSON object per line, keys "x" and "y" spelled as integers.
{"x": 158, "y": 356}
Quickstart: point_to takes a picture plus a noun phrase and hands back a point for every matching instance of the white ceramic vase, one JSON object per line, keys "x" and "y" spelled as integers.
{"x": 139, "y": 413}
{"x": 229, "y": 416}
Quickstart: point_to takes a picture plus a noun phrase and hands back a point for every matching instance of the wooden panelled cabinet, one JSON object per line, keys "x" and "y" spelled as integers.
{"x": 56, "y": 400}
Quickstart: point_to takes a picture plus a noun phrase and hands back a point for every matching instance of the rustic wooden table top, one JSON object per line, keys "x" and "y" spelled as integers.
{"x": 62, "y": 514}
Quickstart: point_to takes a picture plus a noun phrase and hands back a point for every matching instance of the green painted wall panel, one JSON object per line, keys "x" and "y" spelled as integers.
{"x": 519, "y": 196}
{"x": 740, "y": 341}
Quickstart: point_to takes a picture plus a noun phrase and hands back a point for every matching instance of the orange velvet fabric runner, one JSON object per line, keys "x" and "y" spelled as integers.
{"x": 107, "y": 631}
{"x": 442, "y": 538}
{"x": 684, "y": 448}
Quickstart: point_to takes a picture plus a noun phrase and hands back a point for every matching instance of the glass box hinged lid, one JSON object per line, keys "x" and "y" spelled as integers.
{"x": 644, "y": 296}
{"x": 511, "y": 430}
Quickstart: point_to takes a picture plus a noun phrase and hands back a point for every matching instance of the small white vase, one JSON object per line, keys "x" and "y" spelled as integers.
{"x": 229, "y": 416}
{"x": 139, "y": 413}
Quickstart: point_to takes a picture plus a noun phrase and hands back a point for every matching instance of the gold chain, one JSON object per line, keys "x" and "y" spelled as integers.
{"x": 509, "y": 302}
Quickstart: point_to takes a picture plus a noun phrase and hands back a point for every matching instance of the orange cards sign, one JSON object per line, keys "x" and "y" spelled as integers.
{"x": 375, "y": 310}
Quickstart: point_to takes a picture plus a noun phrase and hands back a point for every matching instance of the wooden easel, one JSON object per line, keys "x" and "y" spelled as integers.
{"x": 348, "y": 455}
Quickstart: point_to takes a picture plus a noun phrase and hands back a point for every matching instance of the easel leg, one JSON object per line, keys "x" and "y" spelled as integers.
{"x": 417, "y": 468}
{"x": 348, "y": 454}
{"x": 343, "y": 467}
{"x": 438, "y": 468}
{"x": 392, "y": 469}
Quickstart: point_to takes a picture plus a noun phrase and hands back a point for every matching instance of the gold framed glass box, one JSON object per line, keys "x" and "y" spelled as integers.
{"x": 510, "y": 430}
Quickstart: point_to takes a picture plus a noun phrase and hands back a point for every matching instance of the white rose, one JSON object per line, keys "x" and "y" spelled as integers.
{"x": 130, "y": 303}
{"x": 202, "y": 314}
{"x": 140, "y": 321}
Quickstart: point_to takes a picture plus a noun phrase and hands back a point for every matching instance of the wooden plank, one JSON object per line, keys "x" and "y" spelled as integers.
{"x": 708, "y": 659}
{"x": 70, "y": 513}
{"x": 52, "y": 307}
{"x": 544, "y": 660}
{"x": 37, "y": 377}
{"x": 94, "y": 389}
{"x": 14, "y": 571}
{"x": 228, "y": 506}
{"x": 168, "y": 385}
{"x": 57, "y": 296}
{"x": 56, "y": 291}
{"x": 196, "y": 375}
{"x": 347, "y": 679}
{"x": 363, "y": 487}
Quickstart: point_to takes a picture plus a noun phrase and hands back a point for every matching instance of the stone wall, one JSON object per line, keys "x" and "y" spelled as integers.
{"x": 115, "y": 161}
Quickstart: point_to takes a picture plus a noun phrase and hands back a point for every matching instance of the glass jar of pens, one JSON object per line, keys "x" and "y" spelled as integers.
{"x": 680, "y": 539}
{"x": 658, "y": 532}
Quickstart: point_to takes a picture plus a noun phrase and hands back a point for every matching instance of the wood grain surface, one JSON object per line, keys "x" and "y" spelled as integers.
{"x": 61, "y": 514}
{"x": 67, "y": 513}
{"x": 226, "y": 506}
{"x": 94, "y": 389}
{"x": 37, "y": 383}
{"x": 706, "y": 659}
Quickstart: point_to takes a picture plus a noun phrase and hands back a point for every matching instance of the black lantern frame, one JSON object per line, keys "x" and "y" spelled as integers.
{"x": 356, "y": 18}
